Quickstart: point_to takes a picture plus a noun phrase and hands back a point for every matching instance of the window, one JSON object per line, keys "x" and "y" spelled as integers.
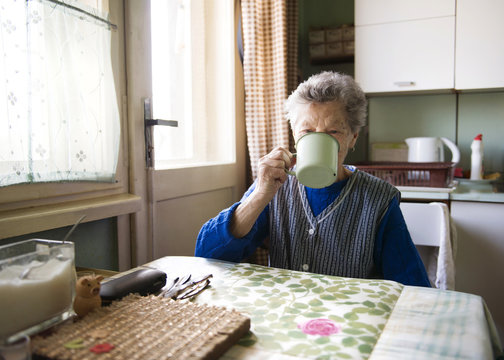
{"x": 192, "y": 82}
{"x": 32, "y": 207}
{"x": 59, "y": 119}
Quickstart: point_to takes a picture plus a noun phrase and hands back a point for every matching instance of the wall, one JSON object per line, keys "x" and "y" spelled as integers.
{"x": 95, "y": 243}
{"x": 482, "y": 113}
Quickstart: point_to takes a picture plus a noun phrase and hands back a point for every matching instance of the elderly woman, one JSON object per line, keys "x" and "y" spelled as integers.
{"x": 352, "y": 228}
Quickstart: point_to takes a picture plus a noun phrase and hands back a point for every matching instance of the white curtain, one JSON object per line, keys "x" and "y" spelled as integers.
{"x": 59, "y": 117}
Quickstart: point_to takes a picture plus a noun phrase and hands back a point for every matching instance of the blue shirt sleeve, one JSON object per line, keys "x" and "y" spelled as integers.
{"x": 395, "y": 254}
{"x": 216, "y": 241}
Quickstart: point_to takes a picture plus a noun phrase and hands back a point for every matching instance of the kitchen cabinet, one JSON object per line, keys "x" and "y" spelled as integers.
{"x": 480, "y": 251}
{"x": 479, "y": 46}
{"x": 372, "y": 12}
{"x": 424, "y": 45}
{"x": 410, "y": 49}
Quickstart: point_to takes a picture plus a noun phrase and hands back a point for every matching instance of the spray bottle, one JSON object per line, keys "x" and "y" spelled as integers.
{"x": 477, "y": 158}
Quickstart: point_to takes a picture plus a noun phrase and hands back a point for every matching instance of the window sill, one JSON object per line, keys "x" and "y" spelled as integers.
{"x": 39, "y": 218}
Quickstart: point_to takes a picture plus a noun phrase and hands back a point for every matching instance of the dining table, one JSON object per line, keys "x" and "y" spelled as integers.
{"x": 303, "y": 315}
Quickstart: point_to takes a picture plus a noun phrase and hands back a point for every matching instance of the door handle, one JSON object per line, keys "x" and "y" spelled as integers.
{"x": 149, "y": 122}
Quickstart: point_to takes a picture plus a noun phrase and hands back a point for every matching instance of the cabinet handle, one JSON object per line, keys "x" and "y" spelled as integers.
{"x": 404, "y": 83}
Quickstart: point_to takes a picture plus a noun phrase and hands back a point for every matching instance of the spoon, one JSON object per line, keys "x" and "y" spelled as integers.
{"x": 26, "y": 272}
{"x": 73, "y": 228}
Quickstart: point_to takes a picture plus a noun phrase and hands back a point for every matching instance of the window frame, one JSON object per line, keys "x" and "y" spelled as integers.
{"x": 28, "y": 208}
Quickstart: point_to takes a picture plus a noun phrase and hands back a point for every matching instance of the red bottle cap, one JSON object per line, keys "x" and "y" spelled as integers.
{"x": 479, "y": 137}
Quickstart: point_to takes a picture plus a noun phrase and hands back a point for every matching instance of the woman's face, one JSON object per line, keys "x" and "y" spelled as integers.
{"x": 329, "y": 118}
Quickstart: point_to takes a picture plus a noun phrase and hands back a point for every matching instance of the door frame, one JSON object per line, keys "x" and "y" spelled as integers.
{"x": 141, "y": 178}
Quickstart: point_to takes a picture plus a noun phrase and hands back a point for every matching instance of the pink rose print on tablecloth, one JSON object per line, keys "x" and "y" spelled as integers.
{"x": 322, "y": 327}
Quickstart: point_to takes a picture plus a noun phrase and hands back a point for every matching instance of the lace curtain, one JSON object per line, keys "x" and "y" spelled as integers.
{"x": 59, "y": 117}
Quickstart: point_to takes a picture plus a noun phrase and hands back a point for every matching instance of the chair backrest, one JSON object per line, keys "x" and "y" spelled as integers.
{"x": 425, "y": 222}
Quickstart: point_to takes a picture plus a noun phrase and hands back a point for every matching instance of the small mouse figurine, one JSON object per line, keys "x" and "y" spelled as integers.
{"x": 87, "y": 294}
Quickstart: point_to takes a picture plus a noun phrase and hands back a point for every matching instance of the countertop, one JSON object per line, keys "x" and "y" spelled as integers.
{"x": 465, "y": 190}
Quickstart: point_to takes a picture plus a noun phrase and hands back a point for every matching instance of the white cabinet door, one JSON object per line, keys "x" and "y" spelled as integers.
{"x": 369, "y": 12}
{"x": 406, "y": 56}
{"x": 480, "y": 254}
{"x": 479, "y": 45}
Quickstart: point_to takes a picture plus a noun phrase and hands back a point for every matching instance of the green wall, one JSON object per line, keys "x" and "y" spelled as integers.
{"x": 400, "y": 117}
{"x": 95, "y": 243}
{"x": 482, "y": 113}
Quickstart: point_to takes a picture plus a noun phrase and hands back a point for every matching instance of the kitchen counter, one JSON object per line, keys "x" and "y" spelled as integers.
{"x": 469, "y": 190}
{"x": 434, "y": 195}
{"x": 466, "y": 190}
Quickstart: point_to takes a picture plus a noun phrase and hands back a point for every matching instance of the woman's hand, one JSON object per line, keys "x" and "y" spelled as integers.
{"x": 271, "y": 172}
{"x": 270, "y": 177}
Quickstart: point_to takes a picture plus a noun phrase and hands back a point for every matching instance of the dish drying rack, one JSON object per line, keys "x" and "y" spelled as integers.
{"x": 426, "y": 174}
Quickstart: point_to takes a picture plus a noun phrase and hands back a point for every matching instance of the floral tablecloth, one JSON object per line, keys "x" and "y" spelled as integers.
{"x": 310, "y": 316}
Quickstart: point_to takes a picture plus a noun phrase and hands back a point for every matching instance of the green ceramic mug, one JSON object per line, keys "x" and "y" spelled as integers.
{"x": 316, "y": 160}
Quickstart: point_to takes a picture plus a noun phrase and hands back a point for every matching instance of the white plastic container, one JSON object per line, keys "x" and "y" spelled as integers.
{"x": 477, "y": 158}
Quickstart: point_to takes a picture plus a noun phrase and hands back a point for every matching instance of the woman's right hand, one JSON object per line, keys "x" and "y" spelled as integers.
{"x": 270, "y": 177}
{"x": 271, "y": 172}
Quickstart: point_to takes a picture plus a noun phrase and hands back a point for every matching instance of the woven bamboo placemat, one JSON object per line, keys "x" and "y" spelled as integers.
{"x": 147, "y": 327}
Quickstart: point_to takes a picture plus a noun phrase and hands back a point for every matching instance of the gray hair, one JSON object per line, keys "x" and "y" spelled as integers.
{"x": 330, "y": 86}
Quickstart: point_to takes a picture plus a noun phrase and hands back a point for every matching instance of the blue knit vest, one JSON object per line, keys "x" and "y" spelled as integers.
{"x": 340, "y": 240}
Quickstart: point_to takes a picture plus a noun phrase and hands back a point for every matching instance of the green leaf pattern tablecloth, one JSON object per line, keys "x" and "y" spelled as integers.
{"x": 280, "y": 302}
{"x": 299, "y": 315}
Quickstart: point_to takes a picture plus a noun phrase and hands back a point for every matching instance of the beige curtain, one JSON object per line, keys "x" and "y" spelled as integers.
{"x": 270, "y": 72}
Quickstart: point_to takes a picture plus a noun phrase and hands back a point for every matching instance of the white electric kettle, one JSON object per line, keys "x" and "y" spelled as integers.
{"x": 430, "y": 149}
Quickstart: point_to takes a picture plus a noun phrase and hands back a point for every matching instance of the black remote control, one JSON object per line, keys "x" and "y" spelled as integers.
{"x": 142, "y": 281}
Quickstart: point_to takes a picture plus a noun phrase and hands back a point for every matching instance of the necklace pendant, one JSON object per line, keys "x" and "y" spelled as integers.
{"x": 311, "y": 231}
